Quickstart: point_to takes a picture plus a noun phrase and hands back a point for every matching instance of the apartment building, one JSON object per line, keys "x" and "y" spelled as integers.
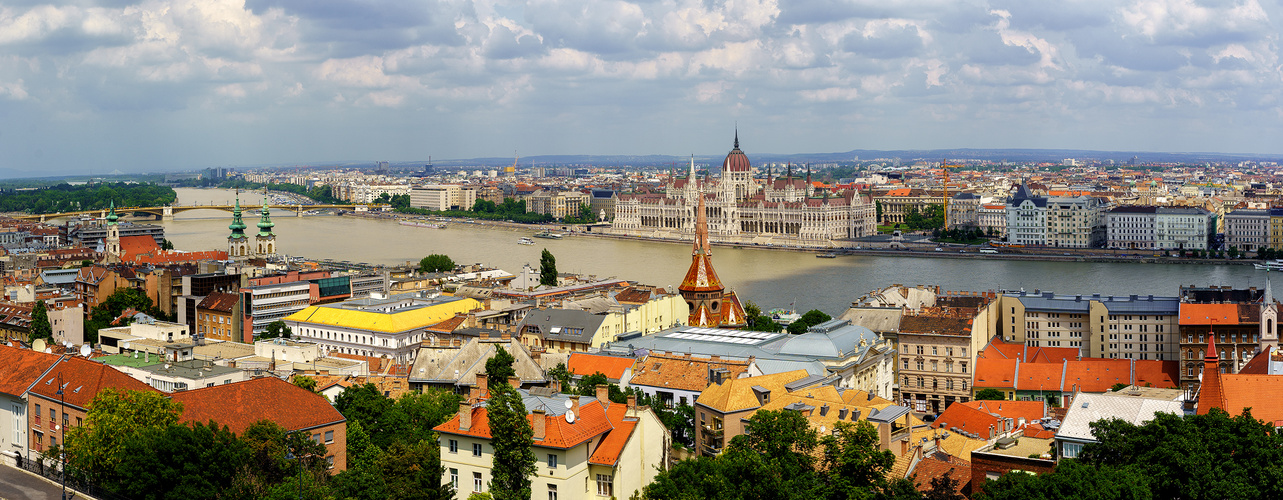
{"x": 1075, "y": 222}
{"x": 390, "y": 327}
{"x": 898, "y": 202}
{"x": 1027, "y": 218}
{"x": 1240, "y": 321}
{"x": 586, "y": 447}
{"x": 937, "y": 350}
{"x": 993, "y": 216}
{"x": 443, "y": 197}
{"x": 1128, "y": 327}
{"x": 964, "y": 210}
{"x": 1248, "y": 230}
{"x": 1130, "y": 227}
{"x": 558, "y": 204}
{"x": 1182, "y": 228}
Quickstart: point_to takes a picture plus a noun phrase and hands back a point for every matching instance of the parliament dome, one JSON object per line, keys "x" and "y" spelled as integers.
{"x": 736, "y": 160}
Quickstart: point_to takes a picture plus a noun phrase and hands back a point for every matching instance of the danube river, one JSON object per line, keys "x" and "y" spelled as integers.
{"x": 770, "y": 278}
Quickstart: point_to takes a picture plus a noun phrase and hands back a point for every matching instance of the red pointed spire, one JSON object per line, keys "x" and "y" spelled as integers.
{"x": 701, "y": 229}
{"x": 1210, "y": 394}
{"x": 1211, "y": 347}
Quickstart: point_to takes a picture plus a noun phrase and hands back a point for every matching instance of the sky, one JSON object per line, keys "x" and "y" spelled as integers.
{"x": 92, "y": 86}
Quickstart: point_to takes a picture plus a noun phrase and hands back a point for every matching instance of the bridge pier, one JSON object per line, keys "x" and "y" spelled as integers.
{"x": 42, "y": 218}
{"x": 167, "y": 213}
{"x": 299, "y": 211}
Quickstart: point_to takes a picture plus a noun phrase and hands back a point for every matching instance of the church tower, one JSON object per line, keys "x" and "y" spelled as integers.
{"x": 265, "y": 240}
{"x": 237, "y": 242}
{"x": 1269, "y": 319}
{"x": 710, "y": 305}
{"x": 111, "y": 246}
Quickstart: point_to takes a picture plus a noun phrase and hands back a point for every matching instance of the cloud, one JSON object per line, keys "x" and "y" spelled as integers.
{"x": 375, "y": 77}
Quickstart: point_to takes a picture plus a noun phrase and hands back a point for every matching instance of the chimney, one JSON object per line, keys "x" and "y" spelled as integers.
{"x": 515, "y": 382}
{"x": 556, "y": 386}
{"x": 481, "y": 381}
{"x": 465, "y": 416}
{"x": 603, "y": 393}
{"x": 541, "y": 424}
{"x": 574, "y": 404}
{"x": 632, "y": 401}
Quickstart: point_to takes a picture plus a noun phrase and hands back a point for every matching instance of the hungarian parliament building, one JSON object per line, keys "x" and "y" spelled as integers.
{"x": 783, "y": 210}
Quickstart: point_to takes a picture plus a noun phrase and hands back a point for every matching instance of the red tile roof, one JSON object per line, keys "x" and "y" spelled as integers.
{"x": 995, "y": 372}
{"x": 969, "y": 419}
{"x": 1015, "y": 410}
{"x": 1215, "y": 314}
{"x": 1097, "y": 375}
{"x": 240, "y": 404}
{"x": 591, "y": 421}
{"x": 931, "y": 468}
{"x": 1039, "y": 376}
{"x": 22, "y": 367}
{"x": 613, "y": 367}
{"x": 1155, "y": 373}
{"x": 219, "y": 301}
{"x": 612, "y": 445}
{"x": 1262, "y": 393}
{"x": 84, "y": 379}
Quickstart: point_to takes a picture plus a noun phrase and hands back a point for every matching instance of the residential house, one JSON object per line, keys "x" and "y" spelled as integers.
{"x": 678, "y": 379}
{"x": 617, "y": 369}
{"x": 214, "y": 317}
{"x": 456, "y": 367}
{"x": 381, "y": 327}
{"x": 61, "y": 398}
{"x": 1240, "y": 320}
{"x": 1131, "y": 327}
{"x": 1130, "y": 405}
{"x": 23, "y": 368}
{"x": 586, "y": 447}
{"x": 241, "y": 404}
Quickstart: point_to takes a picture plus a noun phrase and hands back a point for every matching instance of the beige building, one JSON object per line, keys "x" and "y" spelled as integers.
{"x": 443, "y": 197}
{"x": 558, "y": 204}
{"x": 586, "y": 447}
{"x": 1075, "y": 222}
{"x": 1126, "y": 327}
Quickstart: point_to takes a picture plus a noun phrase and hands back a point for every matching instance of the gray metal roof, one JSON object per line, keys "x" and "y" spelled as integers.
{"x": 842, "y": 342}
{"x": 1131, "y": 304}
{"x": 1087, "y": 408}
{"x": 563, "y": 325}
{"x": 888, "y": 414}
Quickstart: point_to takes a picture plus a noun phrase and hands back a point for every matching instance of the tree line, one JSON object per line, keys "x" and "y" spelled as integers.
{"x": 67, "y": 198}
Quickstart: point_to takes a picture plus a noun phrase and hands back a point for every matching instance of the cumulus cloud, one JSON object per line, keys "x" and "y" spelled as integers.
{"x": 489, "y": 72}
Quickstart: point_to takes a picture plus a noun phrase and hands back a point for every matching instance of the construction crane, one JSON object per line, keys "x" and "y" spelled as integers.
{"x": 944, "y": 167}
{"x": 512, "y": 171}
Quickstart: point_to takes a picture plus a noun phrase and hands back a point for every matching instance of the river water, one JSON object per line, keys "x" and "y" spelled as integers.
{"x": 770, "y": 278}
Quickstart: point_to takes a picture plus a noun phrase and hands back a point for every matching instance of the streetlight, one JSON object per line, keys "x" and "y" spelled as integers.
{"x": 289, "y": 455}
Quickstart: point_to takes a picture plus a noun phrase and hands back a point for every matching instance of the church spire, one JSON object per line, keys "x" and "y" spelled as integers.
{"x": 737, "y": 137}
{"x": 237, "y": 226}
{"x": 111, "y": 213}
{"x": 701, "y": 229}
{"x": 265, "y": 223}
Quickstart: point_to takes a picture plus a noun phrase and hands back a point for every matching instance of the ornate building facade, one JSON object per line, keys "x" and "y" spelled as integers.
{"x": 742, "y": 210}
{"x": 710, "y": 304}
{"x": 238, "y": 244}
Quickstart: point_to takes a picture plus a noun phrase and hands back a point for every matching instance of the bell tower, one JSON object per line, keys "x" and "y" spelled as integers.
{"x": 265, "y": 240}
{"x": 111, "y": 245}
{"x": 1269, "y": 319}
{"x": 237, "y": 242}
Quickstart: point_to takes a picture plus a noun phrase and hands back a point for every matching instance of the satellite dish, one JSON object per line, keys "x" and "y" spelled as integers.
{"x": 48, "y": 351}
{"x": 85, "y": 350}
{"x": 569, "y": 404}
{"x": 38, "y": 345}
{"x": 570, "y": 417}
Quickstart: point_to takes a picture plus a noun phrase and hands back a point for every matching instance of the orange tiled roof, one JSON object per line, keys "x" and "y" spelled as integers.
{"x": 738, "y": 395}
{"x": 591, "y": 421}
{"x": 995, "y": 372}
{"x": 612, "y": 445}
{"x": 1039, "y": 376}
{"x": 1215, "y": 314}
{"x": 1156, "y": 373}
{"x": 1015, "y": 410}
{"x": 613, "y": 367}
{"x": 1096, "y": 375}
{"x": 449, "y": 325}
{"x": 22, "y": 367}
{"x": 969, "y": 419}
{"x": 1262, "y": 393}
{"x": 240, "y": 404}
{"x": 84, "y": 379}
{"x": 682, "y": 372}
{"x": 899, "y": 192}
{"x": 219, "y": 301}
{"x": 931, "y": 468}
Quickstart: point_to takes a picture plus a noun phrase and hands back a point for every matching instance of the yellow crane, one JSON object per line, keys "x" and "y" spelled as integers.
{"x": 944, "y": 167}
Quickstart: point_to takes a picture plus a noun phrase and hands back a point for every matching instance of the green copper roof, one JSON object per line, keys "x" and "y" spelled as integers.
{"x": 111, "y": 213}
{"x": 237, "y": 226}
{"x": 265, "y": 223}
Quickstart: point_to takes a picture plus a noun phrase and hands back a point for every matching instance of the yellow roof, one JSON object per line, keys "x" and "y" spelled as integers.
{"x": 955, "y": 445}
{"x": 394, "y": 322}
{"x": 737, "y": 395}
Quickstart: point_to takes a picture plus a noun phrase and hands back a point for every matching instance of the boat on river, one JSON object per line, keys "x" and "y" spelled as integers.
{"x": 548, "y": 235}
{"x": 1271, "y": 265}
{"x": 829, "y": 255}
{"x": 525, "y": 240}
{"x": 414, "y": 223}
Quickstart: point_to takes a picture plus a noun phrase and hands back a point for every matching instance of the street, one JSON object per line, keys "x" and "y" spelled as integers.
{"x": 16, "y": 484}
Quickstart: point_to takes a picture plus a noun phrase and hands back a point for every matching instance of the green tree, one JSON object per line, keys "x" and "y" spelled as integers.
{"x": 268, "y": 466}
{"x": 414, "y": 471}
{"x": 877, "y": 207}
{"x": 852, "y": 461}
{"x": 379, "y": 415}
{"x": 40, "y": 327}
{"x": 944, "y": 488}
{"x": 499, "y": 368}
{"x": 809, "y": 319}
{"x": 178, "y": 461}
{"x": 758, "y": 322}
{"x": 1074, "y": 479}
{"x": 425, "y": 410}
{"x": 514, "y": 456}
{"x": 436, "y": 263}
{"x": 547, "y": 269}
{"x": 990, "y": 395}
{"x": 115, "y": 418}
{"x": 277, "y": 330}
{"x": 115, "y": 305}
{"x": 561, "y": 374}
{"x": 165, "y": 244}
{"x": 304, "y": 382}
{"x": 400, "y": 201}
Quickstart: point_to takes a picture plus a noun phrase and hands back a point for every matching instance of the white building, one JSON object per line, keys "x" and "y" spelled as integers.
{"x": 1130, "y": 227}
{"x": 1247, "y": 230}
{"x": 441, "y": 197}
{"x": 376, "y": 327}
{"x": 1026, "y": 218}
{"x": 1181, "y": 228}
{"x": 1075, "y": 222}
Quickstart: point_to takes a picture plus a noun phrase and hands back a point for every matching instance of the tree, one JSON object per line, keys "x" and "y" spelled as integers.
{"x": 499, "y": 368}
{"x": 877, "y": 207}
{"x": 944, "y": 488}
{"x": 414, "y": 471}
{"x": 990, "y": 395}
{"x": 561, "y": 374}
{"x": 547, "y": 269}
{"x": 178, "y": 461}
{"x": 756, "y": 321}
{"x": 436, "y": 263}
{"x": 277, "y": 330}
{"x": 852, "y": 460}
{"x": 116, "y": 304}
{"x": 40, "y": 328}
{"x": 425, "y": 410}
{"x": 268, "y": 468}
{"x": 304, "y": 382}
{"x": 115, "y": 418}
{"x": 379, "y": 415}
{"x": 811, "y": 318}
{"x": 165, "y": 244}
{"x": 1117, "y": 387}
{"x": 514, "y": 457}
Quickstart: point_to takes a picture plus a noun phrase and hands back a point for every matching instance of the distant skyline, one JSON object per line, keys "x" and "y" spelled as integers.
{"x": 103, "y": 85}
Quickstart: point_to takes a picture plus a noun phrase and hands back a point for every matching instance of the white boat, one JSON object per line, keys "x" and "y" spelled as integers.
{"x": 548, "y": 235}
{"x": 525, "y": 241}
{"x": 784, "y": 316}
{"x": 1272, "y": 265}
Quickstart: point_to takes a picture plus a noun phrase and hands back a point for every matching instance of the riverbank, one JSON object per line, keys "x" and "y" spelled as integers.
{"x": 852, "y": 247}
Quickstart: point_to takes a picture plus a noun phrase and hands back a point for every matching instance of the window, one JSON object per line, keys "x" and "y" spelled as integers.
{"x": 476, "y": 482}
{"x": 552, "y": 460}
{"x": 329, "y": 437}
{"x": 329, "y": 462}
{"x": 454, "y": 446}
{"x": 476, "y": 450}
{"x": 37, "y": 413}
{"x": 17, "y": 424}
{"x": 552, "y": 492}
{"x": 605, "y": 485}
{"x": 454, "y": 478}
